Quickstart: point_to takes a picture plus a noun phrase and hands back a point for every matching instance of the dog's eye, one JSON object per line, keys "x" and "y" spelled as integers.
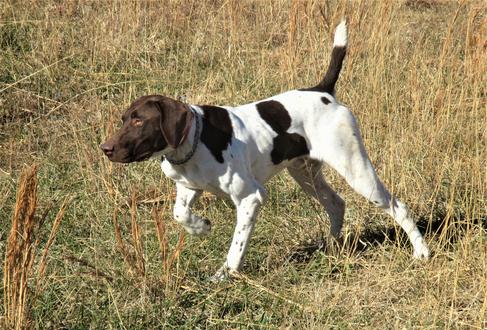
{"x": 137, "y": 122}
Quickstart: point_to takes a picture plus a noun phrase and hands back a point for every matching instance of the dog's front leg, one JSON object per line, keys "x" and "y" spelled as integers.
{"x": 247, "y": 211}
{"x": 185, "y": 198}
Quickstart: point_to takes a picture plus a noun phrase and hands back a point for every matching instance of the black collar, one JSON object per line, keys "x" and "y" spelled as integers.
{"x": 194, "y": 146}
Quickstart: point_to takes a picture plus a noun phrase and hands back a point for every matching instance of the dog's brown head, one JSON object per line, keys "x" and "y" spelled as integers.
{"x": 152, "y": 123}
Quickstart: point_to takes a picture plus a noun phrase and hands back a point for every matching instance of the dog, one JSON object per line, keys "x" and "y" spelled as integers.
{"x": 233, "y": 151}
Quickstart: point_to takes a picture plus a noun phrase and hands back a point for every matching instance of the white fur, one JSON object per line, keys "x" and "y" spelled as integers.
{"x": 340, "y": 39}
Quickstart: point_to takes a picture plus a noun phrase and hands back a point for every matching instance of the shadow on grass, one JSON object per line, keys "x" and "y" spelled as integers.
{"x": 450, "y": 230}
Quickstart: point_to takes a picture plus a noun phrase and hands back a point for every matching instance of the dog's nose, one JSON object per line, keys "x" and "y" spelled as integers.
{"x": 107, "y": 148}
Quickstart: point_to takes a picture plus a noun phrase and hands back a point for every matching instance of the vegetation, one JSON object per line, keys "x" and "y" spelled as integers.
{"x": 91, "y": 244}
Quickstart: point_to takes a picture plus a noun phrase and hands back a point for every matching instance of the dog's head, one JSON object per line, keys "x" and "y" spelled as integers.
{"x": 151, "y": 124}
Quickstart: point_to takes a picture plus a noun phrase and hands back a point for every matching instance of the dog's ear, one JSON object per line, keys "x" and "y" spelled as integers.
{"x": 176, "y": 118}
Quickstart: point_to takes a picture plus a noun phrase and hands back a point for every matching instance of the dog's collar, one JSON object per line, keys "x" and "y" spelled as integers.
{"x": 193, "y": 147}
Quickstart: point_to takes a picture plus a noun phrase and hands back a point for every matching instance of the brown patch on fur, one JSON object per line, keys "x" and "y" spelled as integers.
{"x": 217, "y": 130}
{"x": 286, "y": 145}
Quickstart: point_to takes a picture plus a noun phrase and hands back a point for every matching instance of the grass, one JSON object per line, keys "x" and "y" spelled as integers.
{"x": 415, "y": 77}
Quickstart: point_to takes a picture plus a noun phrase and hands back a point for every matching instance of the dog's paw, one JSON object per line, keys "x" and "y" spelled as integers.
{"x": 223, "y": 274}
{"x": 204, "y": 227}
{"x": 421, "y": 252}
{"x": 335, "y": 245}
{"x": 200, "y": 228}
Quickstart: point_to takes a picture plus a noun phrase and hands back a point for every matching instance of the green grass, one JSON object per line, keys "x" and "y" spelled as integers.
{"x": 415, "y": 77}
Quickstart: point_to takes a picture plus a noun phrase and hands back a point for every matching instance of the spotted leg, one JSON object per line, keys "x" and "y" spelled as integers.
{"x": 248, "y": 205}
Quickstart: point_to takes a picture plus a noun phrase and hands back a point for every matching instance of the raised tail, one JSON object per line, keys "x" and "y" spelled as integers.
{"x": 327, "y": 84}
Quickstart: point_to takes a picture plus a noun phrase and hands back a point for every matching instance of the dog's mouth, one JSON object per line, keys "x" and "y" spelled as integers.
{"x": 144, "y": 156}
{"x": 125, "y": 159}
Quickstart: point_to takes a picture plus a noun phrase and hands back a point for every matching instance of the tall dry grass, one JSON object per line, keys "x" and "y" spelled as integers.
{"x": 133, "y": 252}
{"x": 415, "y": 77}
{"x": 170, "y": 259}
{"x": 21, "y": 252}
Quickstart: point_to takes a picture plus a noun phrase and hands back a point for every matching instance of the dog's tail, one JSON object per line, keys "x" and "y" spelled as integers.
{"x": 327, "y": 84}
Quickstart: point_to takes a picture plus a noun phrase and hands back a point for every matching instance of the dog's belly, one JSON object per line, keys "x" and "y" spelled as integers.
{"x": 265, "y": 170}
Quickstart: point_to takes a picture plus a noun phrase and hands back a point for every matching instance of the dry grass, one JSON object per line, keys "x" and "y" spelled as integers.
{"x": 22, "y": 244}
{"x": 168, "y": 258}
{"x": 20, "y": 252}
{"x": 415, "y": 76}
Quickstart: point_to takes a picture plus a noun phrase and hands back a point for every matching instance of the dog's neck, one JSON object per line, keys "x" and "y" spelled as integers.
{"x": 183, "y": 153}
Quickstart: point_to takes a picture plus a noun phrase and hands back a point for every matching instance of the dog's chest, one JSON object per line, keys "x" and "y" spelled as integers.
{"x": 197, "y": 177}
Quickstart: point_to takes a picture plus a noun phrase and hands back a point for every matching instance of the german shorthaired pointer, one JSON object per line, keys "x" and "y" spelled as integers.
{"x": 233, "y": 151}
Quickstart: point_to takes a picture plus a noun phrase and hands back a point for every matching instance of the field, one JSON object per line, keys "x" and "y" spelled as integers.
{"x": 88, "y": 244}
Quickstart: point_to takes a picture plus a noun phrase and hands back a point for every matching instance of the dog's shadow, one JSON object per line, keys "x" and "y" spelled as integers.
{"x": 448, "y": 229}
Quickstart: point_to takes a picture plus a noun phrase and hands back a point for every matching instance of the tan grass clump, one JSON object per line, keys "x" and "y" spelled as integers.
{"x": 20, "y": 257}
{"x": 20, "y": 251}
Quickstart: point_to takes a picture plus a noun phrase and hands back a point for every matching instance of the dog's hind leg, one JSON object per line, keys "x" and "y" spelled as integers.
{"x": 308, "y": 175}
{"x": 344, "y": 151}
